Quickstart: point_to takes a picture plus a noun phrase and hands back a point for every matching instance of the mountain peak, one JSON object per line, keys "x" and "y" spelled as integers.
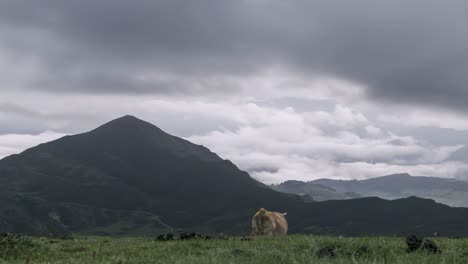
{"x": 127, "y": 123}
{"x": 131, "y": 134}
{"x": 399, "y": 175}
{"x": 129, "y": 120}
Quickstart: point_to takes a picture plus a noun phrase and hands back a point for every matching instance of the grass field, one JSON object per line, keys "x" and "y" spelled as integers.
{"x": 289, "y": 249}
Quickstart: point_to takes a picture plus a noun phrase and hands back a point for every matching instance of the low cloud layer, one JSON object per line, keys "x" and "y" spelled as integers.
{"x": 273, "y": 143}
{"x": 279, "y": 144}
{"x": 16, "y": 143}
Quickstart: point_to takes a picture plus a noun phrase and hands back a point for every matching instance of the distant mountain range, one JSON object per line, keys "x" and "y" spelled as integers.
{"x": 313, "y": 192}
{"x": 447, "y": 191}
{"x": 128, "y": 177}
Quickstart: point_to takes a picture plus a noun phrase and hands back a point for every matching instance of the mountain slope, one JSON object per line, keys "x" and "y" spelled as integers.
{"x": 316, "y": 192}
{"x": 128, "y": 177}
{"x": 447, "y": 191}
{"x": 128, "y": 164}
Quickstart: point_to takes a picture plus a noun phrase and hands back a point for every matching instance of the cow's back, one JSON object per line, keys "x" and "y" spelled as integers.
{"x": 281, "y": 225}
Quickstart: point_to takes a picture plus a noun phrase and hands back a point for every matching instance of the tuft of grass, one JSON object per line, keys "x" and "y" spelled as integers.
{"x": 288, "y": 249}
{"x": 14, "y": 246}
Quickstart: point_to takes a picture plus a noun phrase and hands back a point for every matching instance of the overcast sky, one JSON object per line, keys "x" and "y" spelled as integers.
{"x": 297, "y": 89}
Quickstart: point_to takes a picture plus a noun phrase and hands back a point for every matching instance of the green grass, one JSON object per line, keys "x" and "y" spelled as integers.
{"x": 289, "y": 249}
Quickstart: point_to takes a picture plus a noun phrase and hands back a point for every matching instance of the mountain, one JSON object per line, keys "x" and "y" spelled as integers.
{"x": 129, "y": 165}
{"x": 313, "y": 192}
{"x": 128, "y": 177}
{"x": 447, "y": 191}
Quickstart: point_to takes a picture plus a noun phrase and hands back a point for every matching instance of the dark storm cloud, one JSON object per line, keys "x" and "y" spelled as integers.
{"x": 404, "y": 51}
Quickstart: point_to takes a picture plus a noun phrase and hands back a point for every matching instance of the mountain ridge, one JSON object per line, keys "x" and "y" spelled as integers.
{"x": 312, "y": 191}
{"x": 128, "y": 177}
{"x": 445, "y": 190}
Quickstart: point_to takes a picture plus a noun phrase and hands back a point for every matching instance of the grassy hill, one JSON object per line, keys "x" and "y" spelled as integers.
{"x": 289, "y": 249}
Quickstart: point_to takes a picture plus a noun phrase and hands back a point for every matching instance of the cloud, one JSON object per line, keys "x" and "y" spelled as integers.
{"x": 426, "y": 118}
{"x": 273, "y": 143}
{"x": 284, "y": 144}
{"x": 16, "y": 143}
{"x": 401, "y": 52}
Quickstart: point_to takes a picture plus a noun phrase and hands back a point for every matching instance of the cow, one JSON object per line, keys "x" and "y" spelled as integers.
{"x": 265, "y": 222}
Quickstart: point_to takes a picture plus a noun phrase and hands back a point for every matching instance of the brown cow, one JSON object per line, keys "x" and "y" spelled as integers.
{"x": 265, "y": 222}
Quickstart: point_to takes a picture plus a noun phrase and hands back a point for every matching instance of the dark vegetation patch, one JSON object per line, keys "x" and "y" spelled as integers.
{"x": 338, "y": 250}
{"x": 327, "y": 252}
{"x": 237, "y": 252}
{"x": 242, "y": 253}
{"x": 415, "y": 243}
{"x": 247, "y": 238}
{"x": 73, "y": 249}
{"x": 363, "y": 250}
{"x": 165, "y": 237}
{"x": 193, "y": 235}
{"x": 199, "y": 236}
{"x": 13, "y": 246}
{"x": 182, "y": 236}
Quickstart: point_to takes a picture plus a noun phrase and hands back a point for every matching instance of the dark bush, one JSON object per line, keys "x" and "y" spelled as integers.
{"x": 415, "y": 243}
{"x": 12, "y": 246}
{"x": 327, "y": 251}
